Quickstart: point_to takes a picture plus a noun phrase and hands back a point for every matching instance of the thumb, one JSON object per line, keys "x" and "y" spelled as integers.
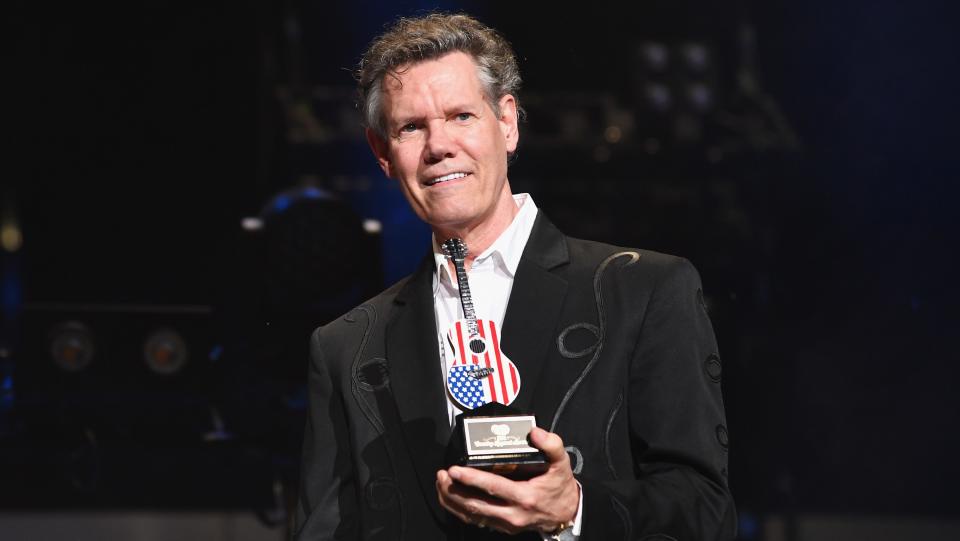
{"x": 548, "y": 442}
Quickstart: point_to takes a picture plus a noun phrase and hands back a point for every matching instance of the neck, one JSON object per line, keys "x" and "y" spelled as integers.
{"x": 481, "y": 236}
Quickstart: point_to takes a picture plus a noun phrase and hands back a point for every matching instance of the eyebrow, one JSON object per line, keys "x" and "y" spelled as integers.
{"x": 459, "y": 107}
{"x": 403, "y": 121}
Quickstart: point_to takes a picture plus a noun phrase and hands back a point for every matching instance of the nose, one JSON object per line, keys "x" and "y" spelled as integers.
{"x": 439, "y": 144}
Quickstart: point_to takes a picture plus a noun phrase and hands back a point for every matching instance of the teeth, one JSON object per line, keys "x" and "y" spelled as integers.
{"x": 444, "y": 178}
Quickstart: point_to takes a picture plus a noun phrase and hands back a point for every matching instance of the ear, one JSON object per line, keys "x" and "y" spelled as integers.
{"x": 380, "y": 151}
{"x": 509, "y": 123}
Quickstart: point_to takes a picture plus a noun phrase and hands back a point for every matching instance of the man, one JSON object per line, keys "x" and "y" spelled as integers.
{"x": 615, "y": 351}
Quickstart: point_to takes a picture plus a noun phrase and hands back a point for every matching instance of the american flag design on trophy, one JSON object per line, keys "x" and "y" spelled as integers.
{"x": 478, "y": 372}
{"x": 477, "y": 379}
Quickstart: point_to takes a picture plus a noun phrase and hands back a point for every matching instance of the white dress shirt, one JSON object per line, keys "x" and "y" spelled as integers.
{"x": 491, "y": 280}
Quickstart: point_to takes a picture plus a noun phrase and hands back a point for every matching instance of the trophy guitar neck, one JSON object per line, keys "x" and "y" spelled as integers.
{"x": 456, "y": 251}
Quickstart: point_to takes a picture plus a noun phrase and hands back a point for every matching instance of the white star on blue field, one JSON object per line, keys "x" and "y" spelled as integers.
{"x": 464, "y": 387}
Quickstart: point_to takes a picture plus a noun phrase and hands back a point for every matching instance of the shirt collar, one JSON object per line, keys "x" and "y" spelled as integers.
{"x": 506, "y": 250}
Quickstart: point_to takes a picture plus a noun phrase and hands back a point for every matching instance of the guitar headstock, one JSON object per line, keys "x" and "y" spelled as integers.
{"x": 455, "y": 249}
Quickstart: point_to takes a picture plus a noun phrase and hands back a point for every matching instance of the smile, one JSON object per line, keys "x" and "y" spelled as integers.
{"x": 445, "y": 178}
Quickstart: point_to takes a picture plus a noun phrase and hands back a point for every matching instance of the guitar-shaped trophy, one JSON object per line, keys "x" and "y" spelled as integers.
{"x": 489, "y": 434}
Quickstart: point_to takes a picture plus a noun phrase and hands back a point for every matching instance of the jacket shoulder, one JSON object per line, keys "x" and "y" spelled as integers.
{"x": 649, "y": 265}
{"x": 358, "y": 321}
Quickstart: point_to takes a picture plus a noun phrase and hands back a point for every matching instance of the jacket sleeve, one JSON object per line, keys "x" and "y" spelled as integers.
{"x": 678, "y": 435}
{"x": 327, "y": 504}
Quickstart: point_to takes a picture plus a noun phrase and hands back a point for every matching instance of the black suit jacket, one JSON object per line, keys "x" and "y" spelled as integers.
{"x": 617, "y": 356}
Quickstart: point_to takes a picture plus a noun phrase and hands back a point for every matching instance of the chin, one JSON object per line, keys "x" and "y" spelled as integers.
{"x": 447, "y": 222}
{"x": 450, "y": 219}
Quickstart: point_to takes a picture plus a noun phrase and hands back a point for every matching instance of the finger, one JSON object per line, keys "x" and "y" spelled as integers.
{"x": 508, "y": 506}
{"x": 489, "y": 486}
{"x": 443, "y": 479}
{"x": 463, "y": 497}
{"x": 452, "y": 495}
{"x": 550, "y": 443}
{"x": 477, "y": 496}
{"x": 477, "y": 503}
{"x": 479, "y": 511}
{"x": 449, "y": 499}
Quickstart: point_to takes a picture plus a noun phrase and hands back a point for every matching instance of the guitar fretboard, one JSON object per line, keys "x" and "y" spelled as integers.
{"x": 456, "y": 251}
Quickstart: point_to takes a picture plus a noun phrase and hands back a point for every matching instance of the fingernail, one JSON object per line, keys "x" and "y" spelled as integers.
{"x": 455, "y": 473}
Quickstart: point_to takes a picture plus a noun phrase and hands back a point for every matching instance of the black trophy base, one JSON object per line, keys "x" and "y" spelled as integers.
{"x": 494, "y": 438}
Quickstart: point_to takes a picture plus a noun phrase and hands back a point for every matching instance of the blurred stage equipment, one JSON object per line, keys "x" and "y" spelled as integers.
{"x": 72, "y": 346}
{"x": 688, "y": 100}
{"x": 674, "y": 77}
{"x": 316, "y": 259}
{"x": 165, "y": 351}
{"x": 109, "y": 345}
{"x": 317, "y": 252}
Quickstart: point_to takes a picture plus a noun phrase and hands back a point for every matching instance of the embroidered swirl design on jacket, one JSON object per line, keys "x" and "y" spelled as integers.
{"x": 607, "y": 449}
{"x": 359, "y": 384}
{"x": 372, "y": 377}
{"x": 598, "y": 331}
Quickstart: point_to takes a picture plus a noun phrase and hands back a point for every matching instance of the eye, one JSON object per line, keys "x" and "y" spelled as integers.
{"x": 408, "y": 128}
{"x": 464, "y": 116}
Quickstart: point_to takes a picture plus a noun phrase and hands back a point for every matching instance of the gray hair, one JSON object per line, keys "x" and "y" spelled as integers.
{"x": 412, "y": 40}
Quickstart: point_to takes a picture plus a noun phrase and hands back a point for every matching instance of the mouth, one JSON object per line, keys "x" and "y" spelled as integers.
{"x": 445, "y": 178}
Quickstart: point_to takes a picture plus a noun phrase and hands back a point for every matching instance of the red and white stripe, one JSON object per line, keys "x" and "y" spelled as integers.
{"x": 504, "y": 383}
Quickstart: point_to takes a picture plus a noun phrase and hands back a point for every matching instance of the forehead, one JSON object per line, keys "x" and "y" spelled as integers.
{"x": 442, "y": 82}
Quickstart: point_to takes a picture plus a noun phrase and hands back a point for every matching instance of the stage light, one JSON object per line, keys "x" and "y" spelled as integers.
{"x": 613, "y": 134}
{"x": 72, "y": 346}
{"x": 658, "y": 97}
{"x": 165, "y": 351}
{"x": 372, "y": 226}
{"x": 700, "y": 97}
{"x": 655, "y": 56}
{"x": 10, "y": 237}
{"x": 251, "y": 223}
{"x": 695, "y": 56}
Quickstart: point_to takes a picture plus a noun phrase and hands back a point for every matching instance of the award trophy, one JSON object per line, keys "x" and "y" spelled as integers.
{"x": 490, "y": 434}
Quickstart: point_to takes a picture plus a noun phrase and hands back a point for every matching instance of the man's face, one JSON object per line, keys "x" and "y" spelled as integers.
{"x": 446, "y": 145}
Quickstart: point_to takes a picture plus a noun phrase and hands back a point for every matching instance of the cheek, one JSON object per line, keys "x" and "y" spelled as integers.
{"x": 405, "y": 166}
{"x": 485, "y": 144}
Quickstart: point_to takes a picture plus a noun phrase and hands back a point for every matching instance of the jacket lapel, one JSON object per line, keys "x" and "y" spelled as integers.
{"x": 416, "y": 379}
{"x": 534, "y": 308}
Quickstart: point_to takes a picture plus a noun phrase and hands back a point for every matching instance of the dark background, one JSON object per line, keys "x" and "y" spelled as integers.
{"x": 815, "y": 194}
